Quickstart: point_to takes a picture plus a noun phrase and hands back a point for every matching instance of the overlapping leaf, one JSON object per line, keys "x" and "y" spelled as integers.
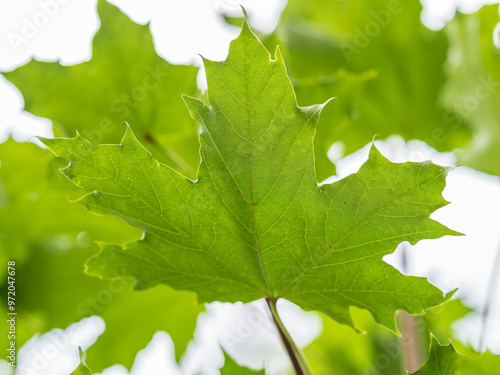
{"x": 53, "y": 291}
{"x": 340, "y": 350}
{"x": 443, "y": 360}
{"x": 66, "y": 294}
{"x": 401, "y": 60}
{"x": 255, "y": 223}
{"x": 29, "y": 196}
{"x": 124, "y": 81}
{"x": 473, "y": 90}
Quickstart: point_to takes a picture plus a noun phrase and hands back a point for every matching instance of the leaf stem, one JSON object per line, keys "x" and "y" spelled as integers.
{"x": 490, "y": 295}
{"x": 298, "y": 359}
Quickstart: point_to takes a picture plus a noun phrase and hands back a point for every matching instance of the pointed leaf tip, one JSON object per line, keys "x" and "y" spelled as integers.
{"x": 82, "y": 368}
{"x": 197, "y": 108}
{"x": 245, "y": 14}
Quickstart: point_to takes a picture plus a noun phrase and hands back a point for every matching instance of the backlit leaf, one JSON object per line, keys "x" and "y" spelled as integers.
{"x": 255, "y": 223}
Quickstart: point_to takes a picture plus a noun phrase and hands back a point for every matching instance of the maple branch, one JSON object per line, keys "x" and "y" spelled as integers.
{"x": 490, "y": 295}
{"x": 298, "y": 359}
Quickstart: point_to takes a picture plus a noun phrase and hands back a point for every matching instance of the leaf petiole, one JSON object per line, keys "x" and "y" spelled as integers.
{"x": 298, "y": 359}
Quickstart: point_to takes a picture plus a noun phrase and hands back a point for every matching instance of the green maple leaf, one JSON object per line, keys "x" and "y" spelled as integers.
{"x": 25, "y": 199}
{"x": 255, "y": 223}
{"x": 398, "y": 63}
{"x": 340, "y": 350}
{"x": 66, "y": 294}
{"x": 443, "y": 360}
{"x": 82, "y": 369}
{"x": 61, "y": 244}
{"x": 472, "y": 90}
{"x": 125, "y": 80}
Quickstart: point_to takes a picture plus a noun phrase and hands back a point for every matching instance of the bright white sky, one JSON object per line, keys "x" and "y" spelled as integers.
{"x": 462, "y": 262}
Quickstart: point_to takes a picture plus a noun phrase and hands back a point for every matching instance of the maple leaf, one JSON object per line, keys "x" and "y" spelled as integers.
{"x": 255, "y": 223}
{"x": 126, "y": 80}
{"x": 442, "y": 360}
{"x": 445, "y": 360}
{"x": 472, "y": 89}
{"x": 351, "y": 40}
{"x": 65, "y": 294}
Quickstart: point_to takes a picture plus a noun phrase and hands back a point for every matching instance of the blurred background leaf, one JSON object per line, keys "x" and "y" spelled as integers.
{"x": 383, "y": 64}
{"x": 473, "y": 89}
{"x": 486, "y": 363}
{"x": 341, "y": 350}
{"x": 126, "y": 80}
